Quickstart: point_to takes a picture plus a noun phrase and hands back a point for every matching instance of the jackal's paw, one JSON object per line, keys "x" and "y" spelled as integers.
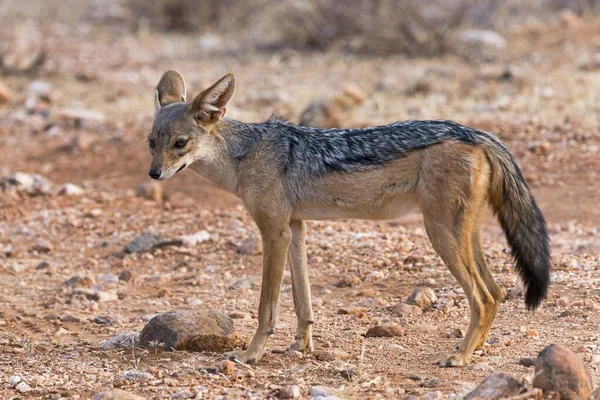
{"x": 301, "y": 345}
{"x": 455, "y": 360}
{"x": 243, "y": 356}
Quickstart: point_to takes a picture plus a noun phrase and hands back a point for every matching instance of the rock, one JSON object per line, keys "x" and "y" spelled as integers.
{"x": 422, "y": 297}
{"x": 562, "y": 302}
{"x": 404, "y": 310}
{"x": 250, "y": 246}
{"x": 42, "y": 246}
{"x": 150, "y": 191}
{"x": 240, "y": 315}
{"x": 191, "y": 330}
{"x": 480, "y": 367}
{"x": 432, "y": 396}
{"x": 290, "y": 392}
{"x": 134, "y": 375}
{"x": 496, "y": 386}
{"x": 5, "y": 94}
{"x": 195, "y": 238}
{"x": 22, "y": 387}
{"x": 560, "y": 370}
{"x": 79, "y": 117}
{"x": 39, "y": 88}
{"x": 116, "y": 394}
{"x": 121, "y": 340}
{"x": 527, "y": 361}
{"x": 374, "y": 276}
{"x": 19, "y": 182}
{"x": 351, "y": 310}
{"x": 77, "y": 281}
{"x": 349, "y": 281}
{"x": 14, "y": 380}
{"x": 481, "y": 37}
{"x": 332, "y": 354}
{"x": 319, "y": 391}
{"x": 226, "y": 367}
{"x": 69, "y": 189}
{"x": 104, "y": 297}
{"x": 125, "y": 275}
{"x": 386, "y": 330}
{"x": 430, "y": 382}
{"x": 148, "y": 241}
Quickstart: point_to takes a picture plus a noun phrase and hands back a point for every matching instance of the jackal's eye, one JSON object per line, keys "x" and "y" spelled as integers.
{"x": 181, "y": 143}
{"x": 151, "y": 143}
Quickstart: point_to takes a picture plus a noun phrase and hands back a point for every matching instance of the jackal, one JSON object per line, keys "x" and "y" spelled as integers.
{"x": 286, "y": 174}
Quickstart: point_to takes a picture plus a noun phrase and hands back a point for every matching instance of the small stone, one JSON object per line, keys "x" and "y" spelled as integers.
{"x": 249, "y": 246}
{"x": 349, "y": 281}
{"x": 147, "y": 241}
{"x": 319, "y": 391}
{"x": 22, "y": 387}
{"x": 116, "y": 394}
{"x": 532, "y": 333}
{"x": 195, "y": 238}
{"x": 226, "y": 367}
{"x": 560, "y": 370}
{"x": 480, "y": 367}
{"x": 104, "y": 297}
{"x": 42, "y": 246}
{"x": 70, "y": 189}
{"x": 562, "y": 302}
{"x": 150, "y": 191}
{"x": 496, "y": 386}
{"x": 14, "y": 380}
{"x": 405, "y": 310}
{"x": 125, "y": 275}
{"x": 103, "y": 320}
{"x": 191, "y": 330}
{"x": 77, "y": 281}
{"x": 374, "y": 276}
{"x": 290, "y": 392}
{"x": 121, "y": 341}
{"x": 240, "y": 315}
{"x": 422, "y": 297}
{"x": 527, "y": 362}
{"x": 386, "y": 330}
{"x": 332, "y": 354}
{"x": 351, "y": 310}
{"x": 367, "y": 293}
{"x": 430, "y": 382}
{"x": 134, "y": 375}
{"x": 164, "y": 292}
{"x": 437, "y": 395}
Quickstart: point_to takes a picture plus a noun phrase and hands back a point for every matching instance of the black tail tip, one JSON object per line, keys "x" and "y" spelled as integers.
{"x": 536, "y": 293}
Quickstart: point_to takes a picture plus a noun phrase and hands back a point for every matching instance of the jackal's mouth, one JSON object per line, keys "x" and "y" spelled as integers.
{"x": 181, "y": 168}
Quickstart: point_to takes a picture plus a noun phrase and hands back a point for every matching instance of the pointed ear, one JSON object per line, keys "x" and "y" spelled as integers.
{"x": 170, "y": 89}
{"x": 209, "y": 106}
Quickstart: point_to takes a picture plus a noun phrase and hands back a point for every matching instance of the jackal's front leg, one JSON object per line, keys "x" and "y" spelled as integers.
{"x": 300, "y": 288}
{"x": 276, "y": 240}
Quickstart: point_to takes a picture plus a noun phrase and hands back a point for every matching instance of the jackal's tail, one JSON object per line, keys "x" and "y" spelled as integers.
{"x": 520, "y": 219}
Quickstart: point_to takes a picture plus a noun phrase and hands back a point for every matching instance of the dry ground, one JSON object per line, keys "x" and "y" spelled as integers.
{"x": 546, "y": 110}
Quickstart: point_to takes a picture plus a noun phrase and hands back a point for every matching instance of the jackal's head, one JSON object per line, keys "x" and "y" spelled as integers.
{"x": 185, "y": 132}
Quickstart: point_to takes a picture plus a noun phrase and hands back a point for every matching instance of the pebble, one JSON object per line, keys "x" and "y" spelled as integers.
{"x": 422, "y": 297}
{"x": 349, "y": 281}
{"x": 374, "y": 276}
{"x": 134, "y": 375}
{"x": 240, "y": 315}
{"x": 437, "y": 395}
{"x": 404, "y": 310}
{"x": 104, "y": 297}
{"x": 147, "y": 241}
{"x": 386, "y": 330}
{"x": 69, "y": 189}
{"x": 351, "y": 310}
{"x": 332, "y": 354}
{"x": 150, "y": 191}
{"x": 125, "y": 275}
{"x": 22, "y": 387}
{"x": 121, "y": 340}
{"x": 42, "y": 246}
{"x": 195, "y": 238}
{"x": 14, "y": 380}
{"x": 532, "y": 333}
{"x": 527, "y": 361}
{"x": 290, "y": 392}
{"x": 319, "y": 391}
{"x": 562, "y": 302}
{"x": 480, "y": 367}
{"x": 249, "y": 246}
{"x": 226, "y": 367}
{"x": 116, "y": 394}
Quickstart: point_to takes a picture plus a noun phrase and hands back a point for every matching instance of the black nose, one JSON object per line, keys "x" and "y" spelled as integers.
{"x": 154, "y": 173}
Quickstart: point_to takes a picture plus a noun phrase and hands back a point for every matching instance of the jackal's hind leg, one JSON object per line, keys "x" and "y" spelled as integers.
{"x": 300, "y": 288}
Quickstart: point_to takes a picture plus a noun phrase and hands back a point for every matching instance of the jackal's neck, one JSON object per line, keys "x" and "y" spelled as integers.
{"x": 240, "y": 138}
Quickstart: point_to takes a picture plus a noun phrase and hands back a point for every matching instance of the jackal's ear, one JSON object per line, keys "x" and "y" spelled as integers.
{"x": 209, "y": 106}
{"x": 170, "y": 89}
